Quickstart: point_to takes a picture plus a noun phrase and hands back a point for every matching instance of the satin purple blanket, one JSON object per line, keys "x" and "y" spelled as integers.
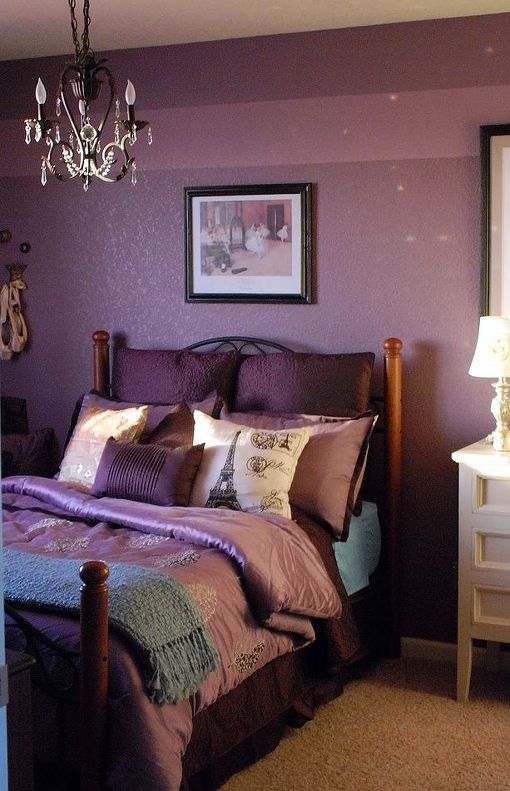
{"x": 258, "y": 581}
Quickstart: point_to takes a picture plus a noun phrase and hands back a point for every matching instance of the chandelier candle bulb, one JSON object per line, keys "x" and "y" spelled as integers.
{"x": 40, "y": 95}
{"x": 40, "y": 92}
{"x": 130, "y": 93}
{"x": 130, "y": 100}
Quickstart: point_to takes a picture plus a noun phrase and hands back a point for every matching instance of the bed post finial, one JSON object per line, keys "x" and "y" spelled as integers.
{"x": 101, "y": 362}
{"x": 393, "y": 472}
{"x": 93, "y": 672}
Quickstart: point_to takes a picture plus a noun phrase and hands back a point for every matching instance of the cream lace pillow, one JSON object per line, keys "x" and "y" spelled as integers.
{"x": 243, "y": 468}
{"x": 81, "y": 459}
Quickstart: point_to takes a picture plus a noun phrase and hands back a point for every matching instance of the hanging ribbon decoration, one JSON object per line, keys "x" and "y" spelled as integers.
{"x": 14, "y": 333}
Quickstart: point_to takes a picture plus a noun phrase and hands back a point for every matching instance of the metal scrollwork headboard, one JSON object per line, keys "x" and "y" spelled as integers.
{"x": 239, "y": 343}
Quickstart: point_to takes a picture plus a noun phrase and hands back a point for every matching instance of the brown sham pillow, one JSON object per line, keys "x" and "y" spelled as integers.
{"x": 175, "y": 430}
{"x": 147, "y": 473}
{"x": 330, "y": 470}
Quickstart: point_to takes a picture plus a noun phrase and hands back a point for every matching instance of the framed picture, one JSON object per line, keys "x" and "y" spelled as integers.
{"x": 495, "y": 231}
{"x": 248, "y": 244}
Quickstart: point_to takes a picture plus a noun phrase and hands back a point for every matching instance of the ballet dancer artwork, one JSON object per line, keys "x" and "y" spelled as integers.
{"x": 283, "y": 233}
{"x": 249, "y": 244}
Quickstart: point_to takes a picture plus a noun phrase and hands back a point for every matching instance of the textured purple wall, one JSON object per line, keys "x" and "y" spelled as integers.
{"x": 385, "y": 122}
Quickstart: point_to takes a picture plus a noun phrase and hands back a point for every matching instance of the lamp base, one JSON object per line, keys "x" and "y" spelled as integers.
{"x": 500, "y": 441}
{"x": 500, "y": 408}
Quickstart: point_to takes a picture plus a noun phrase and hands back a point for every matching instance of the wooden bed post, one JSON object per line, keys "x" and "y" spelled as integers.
{"x": 101, "y": 362}
{"x": 93, "y": 673}
{"x": 393, "y": 473}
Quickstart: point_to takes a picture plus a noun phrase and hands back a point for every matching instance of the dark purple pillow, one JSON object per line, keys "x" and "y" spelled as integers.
{"x": 326, "y": 384}
{"x": 30, "y": 454}
{"x": 167, "y": 377}
{"x": 147, "y": 473}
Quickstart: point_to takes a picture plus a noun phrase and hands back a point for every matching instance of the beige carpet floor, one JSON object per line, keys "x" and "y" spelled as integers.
{"x": 400, "y": 728}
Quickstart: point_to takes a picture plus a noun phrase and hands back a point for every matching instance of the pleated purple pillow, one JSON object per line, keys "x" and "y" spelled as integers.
{"x": 147, "y": 473}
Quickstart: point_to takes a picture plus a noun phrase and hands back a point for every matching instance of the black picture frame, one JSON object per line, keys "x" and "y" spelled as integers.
{"x": 249, "y": 243}
{"x": 495, "y": 220}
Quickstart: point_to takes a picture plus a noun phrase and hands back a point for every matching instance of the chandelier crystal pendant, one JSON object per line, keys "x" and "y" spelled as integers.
{"x": 80, "y": 149}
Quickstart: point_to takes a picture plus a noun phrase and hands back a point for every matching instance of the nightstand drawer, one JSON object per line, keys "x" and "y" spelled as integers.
{"x": 491, "y": 605}
{"x": 491, "y": 549}
{"x": 492, "y": 495}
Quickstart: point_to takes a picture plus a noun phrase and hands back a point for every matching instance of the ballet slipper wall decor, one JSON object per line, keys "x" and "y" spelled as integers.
{"x": 14, "y": 334}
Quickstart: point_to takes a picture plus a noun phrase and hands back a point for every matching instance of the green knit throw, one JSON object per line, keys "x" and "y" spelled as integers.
{"x": 149, "y": 608}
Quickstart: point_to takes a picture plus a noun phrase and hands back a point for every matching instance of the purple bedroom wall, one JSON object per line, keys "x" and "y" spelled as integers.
{"x": 384, "y": 121}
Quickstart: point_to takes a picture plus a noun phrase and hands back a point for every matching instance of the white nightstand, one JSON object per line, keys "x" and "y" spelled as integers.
{"x": 484, "y": 553}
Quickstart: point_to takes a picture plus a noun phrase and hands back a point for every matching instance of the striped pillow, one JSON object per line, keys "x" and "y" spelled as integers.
{"x": 147, "y": 473}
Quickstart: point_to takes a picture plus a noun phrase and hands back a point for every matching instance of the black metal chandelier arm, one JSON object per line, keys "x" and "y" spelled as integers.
{"x": 73, "y": 169}
{"x": 64, "y": 83}
{"x": 103, "y": 171}
{"x": 111, "y": 83}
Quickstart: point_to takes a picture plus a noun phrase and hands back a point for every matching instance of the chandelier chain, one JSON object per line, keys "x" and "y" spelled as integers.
{"x": 83, "y": 49}
{"x": 86, "y": 23}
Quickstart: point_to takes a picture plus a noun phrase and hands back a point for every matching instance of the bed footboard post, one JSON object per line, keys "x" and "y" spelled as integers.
{"x": 101, "y": 362}
{"x": 93, "y": 673}
{"x": 393, "y": 473}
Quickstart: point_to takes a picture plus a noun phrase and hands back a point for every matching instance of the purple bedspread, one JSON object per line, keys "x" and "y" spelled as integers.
{"x": 258, "y": 581}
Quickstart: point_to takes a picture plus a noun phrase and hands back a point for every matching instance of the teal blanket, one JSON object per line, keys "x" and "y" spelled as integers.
{"x": 151, "y": 609}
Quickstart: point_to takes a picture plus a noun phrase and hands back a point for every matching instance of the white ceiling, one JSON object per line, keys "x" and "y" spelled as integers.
{"x": 32, "y": 28}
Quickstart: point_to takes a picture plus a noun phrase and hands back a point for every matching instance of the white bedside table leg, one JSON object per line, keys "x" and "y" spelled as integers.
{"x": 464, "y": 663}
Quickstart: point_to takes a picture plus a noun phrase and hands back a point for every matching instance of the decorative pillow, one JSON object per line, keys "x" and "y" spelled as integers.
{"x": 170, "y": 425}
{"x": 167, "y": 377}
{"x": 329, "y": 384}
{"x": 14, "y": 418}
{"x": 30, "y": 454}
{"x": 174, "y": 431}
{"x": 81, "y": 458}
{"x": 245, "y": 469}
{"x": 330, "y": 471}
{"x": 147, "y": 473}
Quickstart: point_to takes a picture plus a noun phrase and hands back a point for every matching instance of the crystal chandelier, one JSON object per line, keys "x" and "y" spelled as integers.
{"x": 79, "y": 149}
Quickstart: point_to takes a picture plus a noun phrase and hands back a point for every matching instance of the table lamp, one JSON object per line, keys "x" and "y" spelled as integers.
{"x": 492, "y": 359}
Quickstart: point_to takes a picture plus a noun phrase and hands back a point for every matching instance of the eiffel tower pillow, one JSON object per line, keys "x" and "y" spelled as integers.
{"x": 246, "y": 469}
